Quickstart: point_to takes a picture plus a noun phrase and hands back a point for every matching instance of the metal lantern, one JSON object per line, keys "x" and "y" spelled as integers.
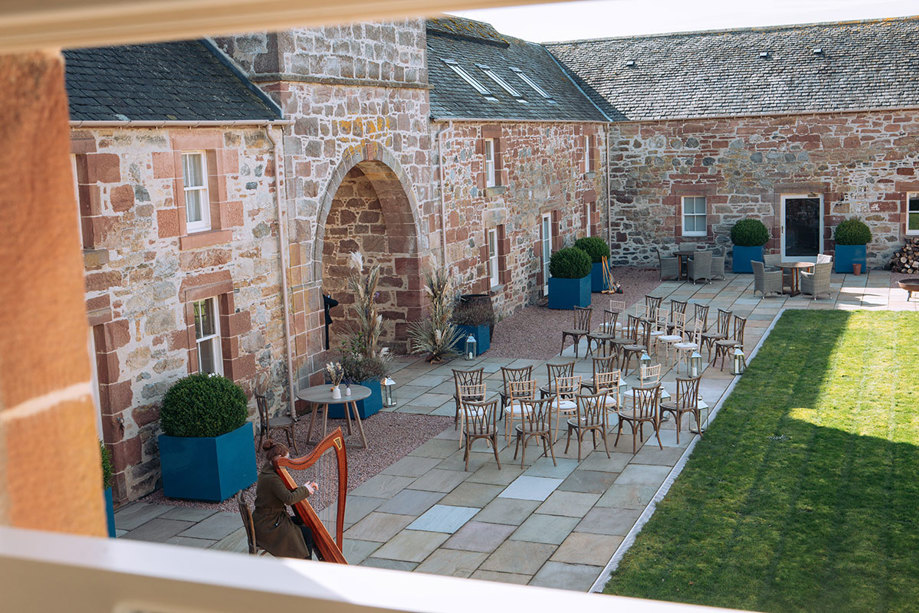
{"x": 471, "y": 348}
{"x": 645, "y": 359}
{"x": 739, "y": 363}
{"x": 388, "y": 388}
{"x": 695, "y": 364}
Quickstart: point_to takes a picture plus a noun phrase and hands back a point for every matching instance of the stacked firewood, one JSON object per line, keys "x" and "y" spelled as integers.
{"x": 907, "y": 259}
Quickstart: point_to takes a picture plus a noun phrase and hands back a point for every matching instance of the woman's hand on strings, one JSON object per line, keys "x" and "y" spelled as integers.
{"x": 311, "y": 486}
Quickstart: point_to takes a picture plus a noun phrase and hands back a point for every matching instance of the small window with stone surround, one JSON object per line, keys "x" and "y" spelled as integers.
{"x": 912, "y": 213}
{"x": 490, "y": 180}
{"x": 492, "y": 237}
{"x": 197, "y": 202}
{"x": 207, "y": 336}
{"x": 694, "y": 217}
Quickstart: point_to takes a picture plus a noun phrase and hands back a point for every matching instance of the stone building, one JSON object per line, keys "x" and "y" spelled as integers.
{"x": 223, "y": 184}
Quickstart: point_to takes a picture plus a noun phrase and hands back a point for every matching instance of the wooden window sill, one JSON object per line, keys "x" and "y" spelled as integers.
{"x": 205, "y": 239}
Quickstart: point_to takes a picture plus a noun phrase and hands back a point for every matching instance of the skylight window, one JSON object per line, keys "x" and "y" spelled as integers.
{"x": 468, "y": 78}
{"x": 532, "y": 84}
{"x": 497, "y": 79}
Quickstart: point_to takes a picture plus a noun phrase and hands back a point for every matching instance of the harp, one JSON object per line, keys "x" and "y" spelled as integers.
{"x": 327, "y": 464}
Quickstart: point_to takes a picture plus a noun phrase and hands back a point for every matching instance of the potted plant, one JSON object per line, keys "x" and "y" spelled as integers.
{"x": 108, "y": 477}
{"x": 360, "y": 369}
{"x": 207, "y": 449}
{"x": 597, "y": 249}
{"x": 436, "y": 335}
{"x": 474, "y": 316}
{"x": 851, "y": 236}
{"x": 569, "y": 280}
{"x": 748, "y": 236}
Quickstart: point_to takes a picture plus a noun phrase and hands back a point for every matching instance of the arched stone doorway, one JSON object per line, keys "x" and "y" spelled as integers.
{"x": 370, "y": 211}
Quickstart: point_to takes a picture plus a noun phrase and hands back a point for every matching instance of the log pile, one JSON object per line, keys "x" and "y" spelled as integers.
{"x": 907, "y": 259}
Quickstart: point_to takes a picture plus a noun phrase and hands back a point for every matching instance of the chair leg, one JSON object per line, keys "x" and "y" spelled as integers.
{"x": 517, "y": 445}
{"x": 468, "y": 445}
{"x": 547, "y": 443}
{"x": 568, "y": 441}
{"x": 580, "y": 436}
{"x": 494, "y": 447}
{"x": 523, "y": 454}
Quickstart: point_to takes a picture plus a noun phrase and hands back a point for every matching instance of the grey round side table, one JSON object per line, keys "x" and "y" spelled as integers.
{"x": 321, "y": 397}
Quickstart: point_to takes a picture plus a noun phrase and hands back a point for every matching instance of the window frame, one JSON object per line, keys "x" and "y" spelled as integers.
{"x": 911, "y": 196}
{"x": 684, "y": 215}
{"x": 203, "y": 191}
{"x": 587, "y": 165}
{"x": 214, "y": 338}
{"x": 488, "y": 151}
{"x": 589, "y": 231}
{"x": 491, "y": 241}
{"x": 545, "y": 235}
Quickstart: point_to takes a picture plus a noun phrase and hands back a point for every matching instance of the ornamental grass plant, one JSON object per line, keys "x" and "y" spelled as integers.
{"x": 436, "y": 335}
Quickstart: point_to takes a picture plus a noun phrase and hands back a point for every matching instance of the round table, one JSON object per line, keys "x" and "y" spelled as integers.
{"x": 796, "y": 268}
{"x": 321, "y": 397}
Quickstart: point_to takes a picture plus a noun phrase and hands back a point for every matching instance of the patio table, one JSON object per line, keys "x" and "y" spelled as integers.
{"x": 795, "y": 268}
{"x": 683, "y": 256}
{"x": 320, "y": 397}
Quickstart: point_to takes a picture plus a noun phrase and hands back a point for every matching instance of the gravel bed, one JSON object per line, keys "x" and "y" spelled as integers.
{"x": 391, "y": 436}
{"x": 535, "y": 332}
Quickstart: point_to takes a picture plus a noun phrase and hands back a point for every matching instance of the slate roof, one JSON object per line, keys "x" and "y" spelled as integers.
{"x": 178, "y": 81}
{"x": 866, "y": 64}
{"x": 472, "y": 44}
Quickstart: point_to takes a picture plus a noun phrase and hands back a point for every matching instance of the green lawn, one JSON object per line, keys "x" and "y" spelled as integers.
{"x": 804, "y": 493}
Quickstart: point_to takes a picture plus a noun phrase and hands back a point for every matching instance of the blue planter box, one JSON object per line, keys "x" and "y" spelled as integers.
{"x": 569, "y": 293}
{"x": 846, "y": 255}
{"x": 109, "y": 512}
{"x": 743, "y": 256}
{"x": 482, "y": 336}
{"x": 597, "y": 282}
{"x": 365, "y": 408}
{"x": 208, "y": 468}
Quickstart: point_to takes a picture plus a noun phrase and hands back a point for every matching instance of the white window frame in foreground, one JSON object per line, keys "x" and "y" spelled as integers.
{"x": 490, "y": 162}
{"x": 492, "y": 236}
{"x": 196, "y": 192}
{"x": 207, "y": 339}
{"x": 912, "y": 209}
{"x": 693, "y": 202}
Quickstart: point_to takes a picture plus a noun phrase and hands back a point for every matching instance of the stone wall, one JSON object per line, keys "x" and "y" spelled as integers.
{"x": 541, "y": 170}
{"x": 860, "y": 163}
{"x": 144, "y": 271}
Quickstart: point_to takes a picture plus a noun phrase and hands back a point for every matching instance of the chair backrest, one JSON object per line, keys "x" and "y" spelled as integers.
{"x": 473, "y": 391}
{"x": 609, "y": 322}
{"x": 645, "y": 402}
{"x": 822, "y": 272}
{"x": 555, "y": 371}
{"x": 608, "y": 383}
{"x": 261, "y": 403}
{"x": 649, "y": 375}
{"x": 654, "y": 303}
{"x": 723, "y": 325}
{"x": 687, "y": 393}
{"x": 678, "y": 322}
{"x": 481, "y": 417}
{"x": 823, "y": 258}
{"x": 677, "y": 306}
{"x": 702, "y": 263}
{"x": 521, "y": 390}
{"x": 537, "y": 415}
{"x": 468, "y": 377}
{"x": 695, "y": 336}
{"x": 567, "y": 387}
{"x": 631, "y": 328}
{"x": 603, "y": 363}
{"x": 591, "y": 411}
{"x": 616, "y": 306}
{"x": 772, "y": 259}
{"x": 700, "y": 314}
{"x": 582, "y": 316}
{"x": 739, "y": 325}
{"x": 515, "y": 374}
{"x": 759, "y": 271}
{"x": 246, "y": 514}
{"x": 644, "y": 337}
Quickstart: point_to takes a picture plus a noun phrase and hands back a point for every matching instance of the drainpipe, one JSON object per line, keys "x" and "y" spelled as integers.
{"x": 443, "y": 206}
{"x": 282, "y": 244}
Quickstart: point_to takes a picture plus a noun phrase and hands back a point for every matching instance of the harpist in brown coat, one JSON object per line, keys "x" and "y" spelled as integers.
{"x": 275, "y": 531}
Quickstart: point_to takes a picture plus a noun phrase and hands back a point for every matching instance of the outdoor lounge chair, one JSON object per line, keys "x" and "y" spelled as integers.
{"x": 765, "y": 281}
{"x": 669, "y": 266}
{"x": 700, "y": 266}
{"x": 718, "y": 264}
{"x": 817, "y": 282}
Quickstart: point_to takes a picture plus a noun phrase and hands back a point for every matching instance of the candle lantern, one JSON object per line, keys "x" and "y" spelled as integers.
{"x": 645, "y": 359}
{"x": 388, "y": 387}
{"x": 695, "y": 364}
{"x": 739, "y": 364}
{"x": 471, "y": 348}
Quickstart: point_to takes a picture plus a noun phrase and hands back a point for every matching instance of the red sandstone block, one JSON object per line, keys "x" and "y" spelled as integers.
{"x": 90, "y": 199}
{"x": 126, "y": 453}
{"x": 112, "y": 429}
{"x": 230, "y": 347}
{"x": 167, "y": 222}
{"x": 233, "y": 214}
{"x": 103, "y": 168}
{"x": 102, "y": 280}
{"x": 115, "y": 397}
{"x": 122, "y": 198}
{"x": 164, "y": 165}
{"x": 145, "y": 415}
{"x": 107, "y": 367}
{"x": 241, "y": 368}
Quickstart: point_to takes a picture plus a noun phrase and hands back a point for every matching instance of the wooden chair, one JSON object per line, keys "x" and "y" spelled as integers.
{"x": 554, "y": 371}
{"x": 609, "y": 383}
{"x": 676, "y": 307}
{"x": 516, "y": 392}
{"x": 564, "y": 401}
{"x": 537, "y": 422}
{"x": 268, "y": 424}
{"x": 645, "y": 409}
{"x": 721, "y": 331}
{"x": 590, "y": 416}
{"x": 480, "y": 421}
{"x": 724, "y": 347}
{"x": 582, "y": 316}
{"x": 652, "y": 306}
{"x": 513, "y": 374}
{"x": 601, "y": 364}
{"x": 676, "y": 335}
{"x": 464, "y": 377}
{"x": 625, "y": 335}
{"x": 686, "y": 401}
{"x": 699, "y": 318}
{"x": 473, "y": 392}
{"x": 658, "y": 326}
{"x": 604, "y": 335}
{"x": 249, "y": 524}
{"x": 692, "y": 342}
{"x": 640, "y": 345}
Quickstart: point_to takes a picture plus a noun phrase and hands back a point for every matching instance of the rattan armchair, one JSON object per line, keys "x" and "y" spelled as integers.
{"x": 817, "y": 282}
{"x": 718, "y": 263}
{"x": 700, "y": 266}
{"x": 766, "y": 281}
{"x": 669, "y": 266}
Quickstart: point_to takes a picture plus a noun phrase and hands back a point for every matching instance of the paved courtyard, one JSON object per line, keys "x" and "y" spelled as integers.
{"x": 537, "y": 524}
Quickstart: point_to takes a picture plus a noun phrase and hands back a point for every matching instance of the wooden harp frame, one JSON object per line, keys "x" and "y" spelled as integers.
{"x": 330, "y": 550}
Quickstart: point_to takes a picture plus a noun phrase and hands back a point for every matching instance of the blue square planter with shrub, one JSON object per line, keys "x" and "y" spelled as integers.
{"x": 473, "y": 314}
{"x": 366, "y": 407}
{"x": 597, "y": 249}
{"x": 569, "y": 281}
{"x": 749, "y": 236}
{"x": 852, "y": 237}
{"x": 207, "y": 449}
{"x": 481, "y": 333}
{"x": 367, "y": 371}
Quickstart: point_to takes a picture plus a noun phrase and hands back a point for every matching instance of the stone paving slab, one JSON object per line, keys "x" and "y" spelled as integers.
{"x": 479, "y": 536}
{"x": 586, "y": 548}
{"x": 215, "y": 527}
{"x": 530, "y": 488}
{"x": 551, "y": 529}
{"x": 411, "y": 502}
{"x": 519, "y": 557}
{"x": 378, "y": 526}
{"x": 443, "y": 518}
{"x": 570, "y": 504}
{"x": 411, "y": 545}
{"x": 158, "y": 530}
{"x": 188, "y": 514}
{"x": 508, "y": 511}
{"x": 490, "y": 575}
{"x": 472, "y": 494}
{"x": 139, "y": 513}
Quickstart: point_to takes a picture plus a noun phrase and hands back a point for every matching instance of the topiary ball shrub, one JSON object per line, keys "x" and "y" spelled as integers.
{"x": 203, "y": 405}
{"x": 749, "y": 233}
{"x": 852, "y": 231}
{"x": 569, "y": 263}
{"x": 595, "y": 247}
